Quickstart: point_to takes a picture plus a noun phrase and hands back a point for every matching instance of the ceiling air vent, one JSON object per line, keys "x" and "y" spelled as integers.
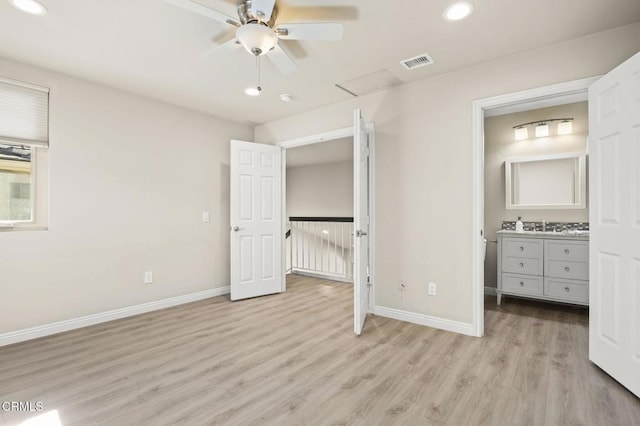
{"x": 417, "y": 62}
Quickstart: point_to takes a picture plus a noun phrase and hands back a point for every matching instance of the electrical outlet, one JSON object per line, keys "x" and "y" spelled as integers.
{"x": 206, "y": 216}
{"x": 433, "y": 289}
{"x": 148, "y": 277}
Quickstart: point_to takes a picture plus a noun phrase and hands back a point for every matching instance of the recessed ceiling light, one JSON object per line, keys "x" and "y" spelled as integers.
{"x": 285, "y": 97}
{"x": 29, "y": 6}
{"x": 458, "y": 11}
{"x": 253, "y": 91}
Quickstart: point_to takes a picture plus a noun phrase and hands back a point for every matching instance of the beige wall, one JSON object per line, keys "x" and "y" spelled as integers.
{"x": 129, "y": 179}
{"x": 424, "y": 163}
{"x": 320, "y": 190}
{"x": 499, "y": 146}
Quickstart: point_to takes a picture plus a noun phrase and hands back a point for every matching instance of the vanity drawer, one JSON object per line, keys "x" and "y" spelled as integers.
{"x": 570, "y": 270}
{"x": 573, "y": 251}
{"x": 574, "y": 291}
{"x": 520, "y": 265}
{"x": 521, "y": 247}
{"x": 522, "y": 284}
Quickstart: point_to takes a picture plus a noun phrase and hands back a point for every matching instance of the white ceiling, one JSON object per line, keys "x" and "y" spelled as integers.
{"x": 321, "y": 153}
{"x": 152, "y": 48}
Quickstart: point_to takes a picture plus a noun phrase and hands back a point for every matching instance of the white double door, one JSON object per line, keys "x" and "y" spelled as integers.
{"x": 256, "y": 216}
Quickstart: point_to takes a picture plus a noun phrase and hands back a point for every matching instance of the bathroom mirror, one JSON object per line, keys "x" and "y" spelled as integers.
{"x": 549, "y": 182}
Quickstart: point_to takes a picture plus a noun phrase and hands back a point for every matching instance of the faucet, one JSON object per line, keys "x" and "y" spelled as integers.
{"x": 544, "y": 226}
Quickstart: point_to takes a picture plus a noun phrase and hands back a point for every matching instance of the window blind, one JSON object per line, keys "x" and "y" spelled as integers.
{"x": 24, "y": 114}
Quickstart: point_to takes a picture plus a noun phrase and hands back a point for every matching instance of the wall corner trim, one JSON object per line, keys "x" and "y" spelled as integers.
{"x": 85, "y": 321}
{"x": 426, "y": 320}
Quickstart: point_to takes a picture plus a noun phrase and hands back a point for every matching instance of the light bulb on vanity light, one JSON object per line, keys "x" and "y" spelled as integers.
{"x": 521, "y": 133}
{"x": 542, "y": 130}
{"x": 565, "y": 127}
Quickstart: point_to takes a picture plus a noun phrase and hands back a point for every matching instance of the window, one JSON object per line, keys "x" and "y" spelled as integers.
{"x": 24, "y": 142}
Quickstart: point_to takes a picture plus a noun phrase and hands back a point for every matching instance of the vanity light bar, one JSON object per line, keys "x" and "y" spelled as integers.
{"x": 565, "y": 127}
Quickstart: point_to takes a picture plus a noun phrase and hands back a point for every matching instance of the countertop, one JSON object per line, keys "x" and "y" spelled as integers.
{"x": 566, "y": 235}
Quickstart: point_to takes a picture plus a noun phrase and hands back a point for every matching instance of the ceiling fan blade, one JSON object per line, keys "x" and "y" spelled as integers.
{"x": 331, "y": 31}
{"x": 317, "y": 13}
{"x": 227, "y": 47}
{"x": 192, "y": 6}
{"x": 281, "y": 60}
{"x": 265, "y": 7}
{"x": 295, "y": 49}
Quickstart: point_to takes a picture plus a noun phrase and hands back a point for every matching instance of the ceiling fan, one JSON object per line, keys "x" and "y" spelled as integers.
{"x": 257, "y": 32}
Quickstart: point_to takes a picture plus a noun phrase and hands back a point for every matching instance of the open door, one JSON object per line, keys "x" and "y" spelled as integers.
{"x": 360, "y": 222}
{"x": 614, "y": 254}
{"x": 256, "y": 220}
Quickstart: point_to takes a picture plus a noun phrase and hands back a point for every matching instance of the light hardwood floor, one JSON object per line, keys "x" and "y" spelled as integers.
{"x": 292, "y": 359}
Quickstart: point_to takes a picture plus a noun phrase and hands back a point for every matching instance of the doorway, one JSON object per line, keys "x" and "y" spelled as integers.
{"x": 557, "y": 94}
{"x": 319, "y": 210}
{"x": 363, "y": 208}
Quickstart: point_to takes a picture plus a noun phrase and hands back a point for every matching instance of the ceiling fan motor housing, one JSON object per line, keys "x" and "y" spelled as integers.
{"x": 249, "y": 16}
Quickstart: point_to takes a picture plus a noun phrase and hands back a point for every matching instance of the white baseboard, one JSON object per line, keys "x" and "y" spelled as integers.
{"x": 429, "y": 321}
{"x": 74, "y": 323}
{"x": 491, "y": 291}
{"x": 321, "y": 275}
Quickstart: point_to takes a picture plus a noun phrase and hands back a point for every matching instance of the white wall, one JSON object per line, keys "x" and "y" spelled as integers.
{"x": 320, "y": 190}
{"x": 424, "y": 163}
{"x": 499, "y": 146}
{"x": 129, "y": 178}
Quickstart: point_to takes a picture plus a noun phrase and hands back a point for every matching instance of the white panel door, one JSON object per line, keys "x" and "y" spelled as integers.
{"x": 256, "y": 220}
{"x": 614, "y": 209}
{"x": 360, "y": 223}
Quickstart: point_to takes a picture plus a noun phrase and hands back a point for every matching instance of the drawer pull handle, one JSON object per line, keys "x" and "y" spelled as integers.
{"x": 521, "y": 265}
{"x": 521, "y": 248}
{"x": 521, "y": 284}
{"x": 566, "y": 268}
{"x": 567, "y": 289}
{"x": 567, "y": 251}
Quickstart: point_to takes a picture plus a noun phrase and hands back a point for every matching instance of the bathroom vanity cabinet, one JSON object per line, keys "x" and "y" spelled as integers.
{"x": 544, "y": 265}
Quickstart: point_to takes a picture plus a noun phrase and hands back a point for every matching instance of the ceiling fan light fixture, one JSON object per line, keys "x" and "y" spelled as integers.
{"x": 257, "y": 39}
{"x": 29, "y": 6}
{"x": 458, "y": 11}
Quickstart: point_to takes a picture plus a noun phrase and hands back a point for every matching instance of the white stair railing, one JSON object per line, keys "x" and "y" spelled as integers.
{"x": 321, "y": 246}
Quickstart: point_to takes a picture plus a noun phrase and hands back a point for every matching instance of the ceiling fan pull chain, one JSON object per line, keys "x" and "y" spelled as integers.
{"x": 258, "y": 67}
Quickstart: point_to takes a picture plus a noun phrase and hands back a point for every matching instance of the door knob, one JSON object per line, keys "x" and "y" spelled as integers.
{"x": 360, "y": 233}
{"x": 236, "y": 229}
